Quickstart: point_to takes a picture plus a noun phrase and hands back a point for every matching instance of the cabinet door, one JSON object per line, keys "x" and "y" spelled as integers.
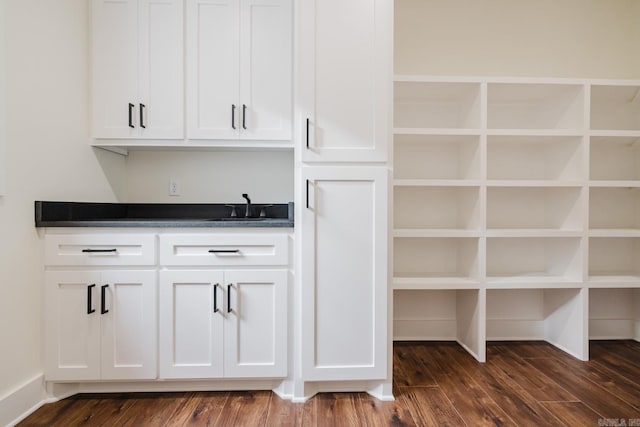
{"x": 345, "y": 79}
{"x": 344, "y": 273}
{"x": 256, "y": 327}
{"x": 265, "y": 70}
{"x": 160, "y": 103}
{"x": 72, "y": 325}
{"x": 191, "y": 322}
{"x": 129, "y": 325}
{"x": 213, "y": 66}
{"x": 114, "y": 68}
{"x": 137, "y": 62}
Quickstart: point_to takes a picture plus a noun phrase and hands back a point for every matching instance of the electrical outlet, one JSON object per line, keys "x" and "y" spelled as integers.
{"x": 174, "y": 187}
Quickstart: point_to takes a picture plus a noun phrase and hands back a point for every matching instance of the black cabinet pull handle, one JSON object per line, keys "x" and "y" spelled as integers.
{"x": 233, "y": 116}
{"x": 90, "y": 309}
{"x": 103, "y": 299}
{"x": 244, "y": 117}
{"x": 142, "y": 108}
{"x": 224, "y": 251}
{"x": 215, "y": 297}
{"x": 98, "y": 251}
{"x": 307, "y": 193}
{"x": 131, "y": 107}
{"x": 229, "y": 298}
{"x": 307, "y": 133}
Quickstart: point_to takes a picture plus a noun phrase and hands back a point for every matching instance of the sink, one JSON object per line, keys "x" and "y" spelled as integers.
{"x": 237, "y": 219}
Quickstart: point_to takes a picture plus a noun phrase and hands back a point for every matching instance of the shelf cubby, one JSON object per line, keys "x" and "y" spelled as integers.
{"x": 615, "y": 107}
{"x": 614, "y": 261}
{"x": 441, "y": 315}
{"x": 613, "y": 208}
{"x": 552, "y": 315}
{"x": 535, "y": 158}
{"x": 521, "y": 262}
{"x": 614, "y": 313}
{"x": 443, "y": 105}
{"x": 539, "y": 208}
{"x": 535, "y": 106}
{"x": 614, "y": 158}
{"x": 433, "y": 262}
{"x": 444, "y": 157}
{"x": 456, "y": 208}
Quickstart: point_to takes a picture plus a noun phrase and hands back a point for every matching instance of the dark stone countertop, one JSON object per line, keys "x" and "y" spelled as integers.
{"x": 86, "y": 214}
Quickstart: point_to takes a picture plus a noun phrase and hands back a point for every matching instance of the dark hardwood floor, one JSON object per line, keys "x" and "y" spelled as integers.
{"x": 435, "y": 384}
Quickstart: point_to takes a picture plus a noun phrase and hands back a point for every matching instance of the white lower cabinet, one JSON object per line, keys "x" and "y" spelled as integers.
{"x": 344, "y": 274}
{"x": 216, "y": 324}
{"x": 100, "y": 325}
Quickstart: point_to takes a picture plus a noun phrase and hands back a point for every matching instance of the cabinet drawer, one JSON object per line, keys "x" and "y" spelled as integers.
{"x": 100, "y": 249}
{"x": 223, "y": 250}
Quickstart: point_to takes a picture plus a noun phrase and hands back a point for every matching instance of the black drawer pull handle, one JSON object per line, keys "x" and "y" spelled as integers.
{"x": 307, "y": 194}
{"x": 99, "y": 251}
{"x": 90, "y": 309}
{"x": 229, "y": 310}
{"x": 103, "y": 299}
{"x": 215, "y": 298}
{"x": 131, "y": 107}
{"x": 244, "y": 117}
{"x": 142, "y": 108}
{"x": 233, "y": 116}
{"x": 224, "y": 251}
{"x": 307, "y": 133}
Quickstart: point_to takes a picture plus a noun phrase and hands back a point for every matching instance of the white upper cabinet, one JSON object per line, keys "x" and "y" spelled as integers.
{"x": 345, "y": 64}
{"x": 239, "y": 70}
{"x": 137, "y": 69}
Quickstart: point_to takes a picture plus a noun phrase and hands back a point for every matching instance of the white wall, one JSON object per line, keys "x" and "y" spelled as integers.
{"x": 535, "y": 38}
{"x": 2, "y": 96}
{"x": 47, "y": 157}
{"x": 210, "y": 176}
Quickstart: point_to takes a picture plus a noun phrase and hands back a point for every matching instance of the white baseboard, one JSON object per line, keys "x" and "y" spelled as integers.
{"x": 424, "y": 330}
{"x": 381, "y": 390}
{"x": 24, "y": 400}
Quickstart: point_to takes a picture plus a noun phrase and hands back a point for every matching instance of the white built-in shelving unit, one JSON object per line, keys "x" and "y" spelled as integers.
{"x": 516, "y": 210}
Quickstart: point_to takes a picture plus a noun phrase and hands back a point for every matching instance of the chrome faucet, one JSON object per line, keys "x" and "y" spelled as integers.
{"x": 247, "y": 212}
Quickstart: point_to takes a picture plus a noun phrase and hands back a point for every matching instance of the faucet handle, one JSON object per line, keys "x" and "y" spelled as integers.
{"x": 263, "y": 210}
{"x": 234, "y": 214}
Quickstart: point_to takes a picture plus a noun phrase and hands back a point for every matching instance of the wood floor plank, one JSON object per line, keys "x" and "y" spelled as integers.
{"x": 616, "y": 357}
{"x": 540, "y": 387}
{"x": 575, "y": 381}
{"x": 520, "y": 407}
{"x": 528, "y": 349}
{"x": 81, "y": 410}
{"x": 625, "y": 387}
{"x": 288, "y": 414}
{"x": 338, "y": 410}
{"x": 248, "y": 408}
{"x": 381, "y": 414}
{"x": 201, "y": 409}
{"x": 573, "y": 413}
{"x": 472, "y": 402}
{"x": 430, "y": 407}
{"x": 413, "y": 372}
{"x": 151, "y": 409}
{"x": 65, "y": 412}
{"x": 624, "y": 350}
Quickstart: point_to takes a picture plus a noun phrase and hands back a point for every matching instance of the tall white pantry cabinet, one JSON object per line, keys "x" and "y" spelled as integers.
{"x": 516, "y": 210}
{"x": 343, "y": 132}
